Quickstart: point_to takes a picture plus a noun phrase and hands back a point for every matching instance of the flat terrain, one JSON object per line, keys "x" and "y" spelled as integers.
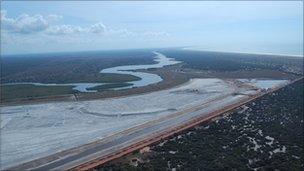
{"x": 29, "y": 91}
{"x": 70, "y": 67}
{"x": 64, "y": 68}
{"x": 225, "y": 62}
{"x": 57, "y": 123}
{"x": 265, "y": 134}
{"x": 71, "y": 124}
{"x": 85, "y": 67}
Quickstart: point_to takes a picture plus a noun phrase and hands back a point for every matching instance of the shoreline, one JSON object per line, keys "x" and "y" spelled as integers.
{"x": 172, "y": 76}
{"x": 134, "y": 70}
{"x": 248, "y": 53}
{"x": 169, "y": 80}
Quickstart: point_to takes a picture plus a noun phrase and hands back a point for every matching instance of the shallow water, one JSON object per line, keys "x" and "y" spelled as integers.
{"x": 146, "y": 78}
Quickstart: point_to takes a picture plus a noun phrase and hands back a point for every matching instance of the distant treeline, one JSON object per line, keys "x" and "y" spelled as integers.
{"x": 220, "y": 61}
{"x": 70, "y": 67}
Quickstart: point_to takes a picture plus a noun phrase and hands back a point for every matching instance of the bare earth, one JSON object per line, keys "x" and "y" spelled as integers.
{"x": 33, "y": 131}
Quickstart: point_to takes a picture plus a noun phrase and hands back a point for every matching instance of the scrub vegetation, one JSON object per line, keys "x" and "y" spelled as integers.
{"x": 265, "y": 134}
{"x": 71, "y": 67}
{"x": 109, "y": 86}
{"x": 80, "y": 67}
{"x": 10, "y": 92}
{"x": 84, "y": 67}
{"x": 220, "y": 61}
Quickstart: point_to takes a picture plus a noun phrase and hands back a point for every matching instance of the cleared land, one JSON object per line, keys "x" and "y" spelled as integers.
{"x": 85, "y": 67}
{"x": 60, "y": 126}
{"x": 264, "y": 134}
{"x": 96, "y": 128}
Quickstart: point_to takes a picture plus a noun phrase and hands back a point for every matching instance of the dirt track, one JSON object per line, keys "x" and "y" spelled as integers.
{"x": 168, "y": 133}
{"x": 99, "y": 152}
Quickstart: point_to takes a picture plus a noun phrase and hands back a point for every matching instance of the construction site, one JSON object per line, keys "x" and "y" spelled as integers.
{"x": 85, "y": 134}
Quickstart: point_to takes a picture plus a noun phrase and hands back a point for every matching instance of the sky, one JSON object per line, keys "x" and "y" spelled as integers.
{"x": 257, "y": 27}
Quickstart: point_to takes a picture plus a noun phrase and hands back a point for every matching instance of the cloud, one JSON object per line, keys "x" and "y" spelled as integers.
{"x": 98, "y": 28}
{"x": 24, "y": 23}
{"x": 6, "y": 23}
{"x": 147, "y": 35}
{"x": 4, "y": 18}
{"x": 64, "y": 29}
{"x": 53, "y": 17}
{"x": 161, "y": 34}
{"x": 21, "y": 33}
{"x": 121, "y": 32}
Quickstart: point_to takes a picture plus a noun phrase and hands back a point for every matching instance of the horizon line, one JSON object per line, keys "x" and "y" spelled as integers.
{"x": 189, "y": 48}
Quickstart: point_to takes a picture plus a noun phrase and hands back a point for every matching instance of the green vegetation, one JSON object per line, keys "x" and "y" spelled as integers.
{"x": 98, "y": 78}
{"x": 109, "y": 86}
{"x": 220, "y": 61}
{"x": 116, "y": 78}
{"x": 29, "y": 91}
{"x": 265, "y": 134}
{"x": 62, "y": 68}
{"x": 71, "y": 67}
{"x": 10, "y": 92}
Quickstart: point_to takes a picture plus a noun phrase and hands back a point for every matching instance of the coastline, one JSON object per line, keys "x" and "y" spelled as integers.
{"x": 248, "y": 53}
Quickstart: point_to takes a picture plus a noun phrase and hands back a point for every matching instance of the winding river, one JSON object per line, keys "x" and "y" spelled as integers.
{"x": 145, "y": 78}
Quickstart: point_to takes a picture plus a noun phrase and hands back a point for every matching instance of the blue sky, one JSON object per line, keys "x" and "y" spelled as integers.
{"x": 261, "y": 27}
